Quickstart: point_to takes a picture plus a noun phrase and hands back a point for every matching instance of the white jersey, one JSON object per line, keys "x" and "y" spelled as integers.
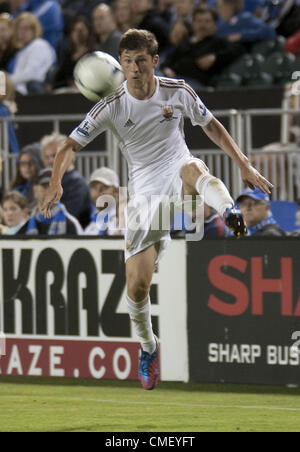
{"x": 150, "y": 132}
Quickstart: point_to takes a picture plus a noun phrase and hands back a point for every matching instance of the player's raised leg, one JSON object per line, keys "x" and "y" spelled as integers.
{"x": 139, "y": 273}
{"x": 197, "y": 180}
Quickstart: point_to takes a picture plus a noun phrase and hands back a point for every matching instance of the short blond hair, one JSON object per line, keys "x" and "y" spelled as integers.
{"x": 53, "y": 138}
{"x": 33, "y": 21}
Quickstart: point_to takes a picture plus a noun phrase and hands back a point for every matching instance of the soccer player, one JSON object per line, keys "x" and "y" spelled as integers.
{"x": 146, "y": 114}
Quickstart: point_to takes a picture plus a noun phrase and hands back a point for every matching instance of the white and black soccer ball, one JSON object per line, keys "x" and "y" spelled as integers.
{"x": 97, "y": 75}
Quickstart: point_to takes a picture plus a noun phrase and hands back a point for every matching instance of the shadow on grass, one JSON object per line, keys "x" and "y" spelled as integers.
{"x": 167, "y": 386}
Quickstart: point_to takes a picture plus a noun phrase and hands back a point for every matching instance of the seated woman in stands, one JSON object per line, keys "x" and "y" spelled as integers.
{"x": 28, "y": 167}
{"x": 80, "y": 42}
{"x": 15, "y": 213}
{"x": 34, "y": 57}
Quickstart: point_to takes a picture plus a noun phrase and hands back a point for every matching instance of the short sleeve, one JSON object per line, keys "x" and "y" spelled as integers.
{"x": 95, "y": 123}
{"x": 194, "y": 108}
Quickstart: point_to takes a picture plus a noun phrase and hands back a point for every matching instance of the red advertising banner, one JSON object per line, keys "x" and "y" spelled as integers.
{"x": 71, "y": 359}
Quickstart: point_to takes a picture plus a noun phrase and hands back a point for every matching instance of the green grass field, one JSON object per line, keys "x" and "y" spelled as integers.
{"x": 28, "y": 404}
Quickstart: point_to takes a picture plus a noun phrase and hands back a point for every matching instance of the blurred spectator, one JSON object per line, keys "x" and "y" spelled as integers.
{"x": 7, "y": 49}
{"x": 292, "y": 44}
{"x": 8, "y": 107}
{"x": 185, "y": 222}
{"x": 76, "y": 195}
{"x": 252, "y": 6}
{"x": 180, "y": 32}
{"x": 105, "y": 182}
{"x": 282, "y": 15}
{"x": 28, "y": 167}
{"x": 34, "y": 58}
{"x": 108, "y": 37}
{"x": 165, "y": 9}
{"x": 122, "y": 13}
{"x": 146, "y": 17}
{"x": 184, "y": 9}
{"x": 15, "y": 213}
{"x": 214, "y": 227}
{"x": 60, "y": 223}
{"x": 80, "y": 42}
{"x": 241, "y": 26}
{"x": 206, "y": 54}
{"x": 255, "y": 206}
{"x": 48, "y": 12}
{"x": 73, "y": 8}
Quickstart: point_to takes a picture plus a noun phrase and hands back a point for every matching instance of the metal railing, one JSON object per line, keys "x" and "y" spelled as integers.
{"x": 86, "y": 162}
{"x": 279, "y": 162}
{"x": 281, "y": 166}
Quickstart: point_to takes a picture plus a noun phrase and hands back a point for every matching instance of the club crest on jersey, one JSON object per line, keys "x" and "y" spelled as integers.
{"x": 168, "y": 113}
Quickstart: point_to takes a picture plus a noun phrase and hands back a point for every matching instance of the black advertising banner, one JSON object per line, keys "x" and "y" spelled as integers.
{"x": 244, "y": 311}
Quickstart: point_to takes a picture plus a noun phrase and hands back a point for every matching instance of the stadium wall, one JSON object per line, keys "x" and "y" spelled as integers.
{"x": 225, "y": 311}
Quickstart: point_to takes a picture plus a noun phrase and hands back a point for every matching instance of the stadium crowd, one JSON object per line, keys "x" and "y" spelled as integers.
{"x": 41, "y": 40}
{"x": 40, "y": 43}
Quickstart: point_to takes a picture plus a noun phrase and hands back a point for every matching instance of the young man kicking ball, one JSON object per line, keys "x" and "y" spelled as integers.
{"x": 146, "y": 115}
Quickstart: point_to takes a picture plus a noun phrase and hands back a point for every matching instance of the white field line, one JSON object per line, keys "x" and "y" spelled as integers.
{"x": 130, "y": 402}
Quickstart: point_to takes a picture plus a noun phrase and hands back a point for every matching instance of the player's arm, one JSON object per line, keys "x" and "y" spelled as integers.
{"x": 63, "y": 160}
{"x": 219, "y": 135}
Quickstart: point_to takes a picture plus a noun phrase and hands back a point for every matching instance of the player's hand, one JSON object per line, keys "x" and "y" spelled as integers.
{"x": 252, "y": 178}
{"x": 53, "y": 196}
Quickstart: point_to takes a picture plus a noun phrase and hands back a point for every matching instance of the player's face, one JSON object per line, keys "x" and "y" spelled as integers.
{"x": 253, "y": 211}
{"x": 138, "y": 67}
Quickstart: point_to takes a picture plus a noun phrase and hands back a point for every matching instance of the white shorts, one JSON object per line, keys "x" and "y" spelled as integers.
{"x": 149, "y": 215}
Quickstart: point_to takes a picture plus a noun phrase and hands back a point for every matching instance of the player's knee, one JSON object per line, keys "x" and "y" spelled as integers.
{"x": 138, "y": 288}
{"x": 191, "y": 171}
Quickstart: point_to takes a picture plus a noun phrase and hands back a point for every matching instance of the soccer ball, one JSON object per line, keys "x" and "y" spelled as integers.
{"x": 97, "y": 75}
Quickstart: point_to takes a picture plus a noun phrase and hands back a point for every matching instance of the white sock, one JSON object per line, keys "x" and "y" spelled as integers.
{"x": 140, "y": 315}
{"x": 214, "y": 192}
